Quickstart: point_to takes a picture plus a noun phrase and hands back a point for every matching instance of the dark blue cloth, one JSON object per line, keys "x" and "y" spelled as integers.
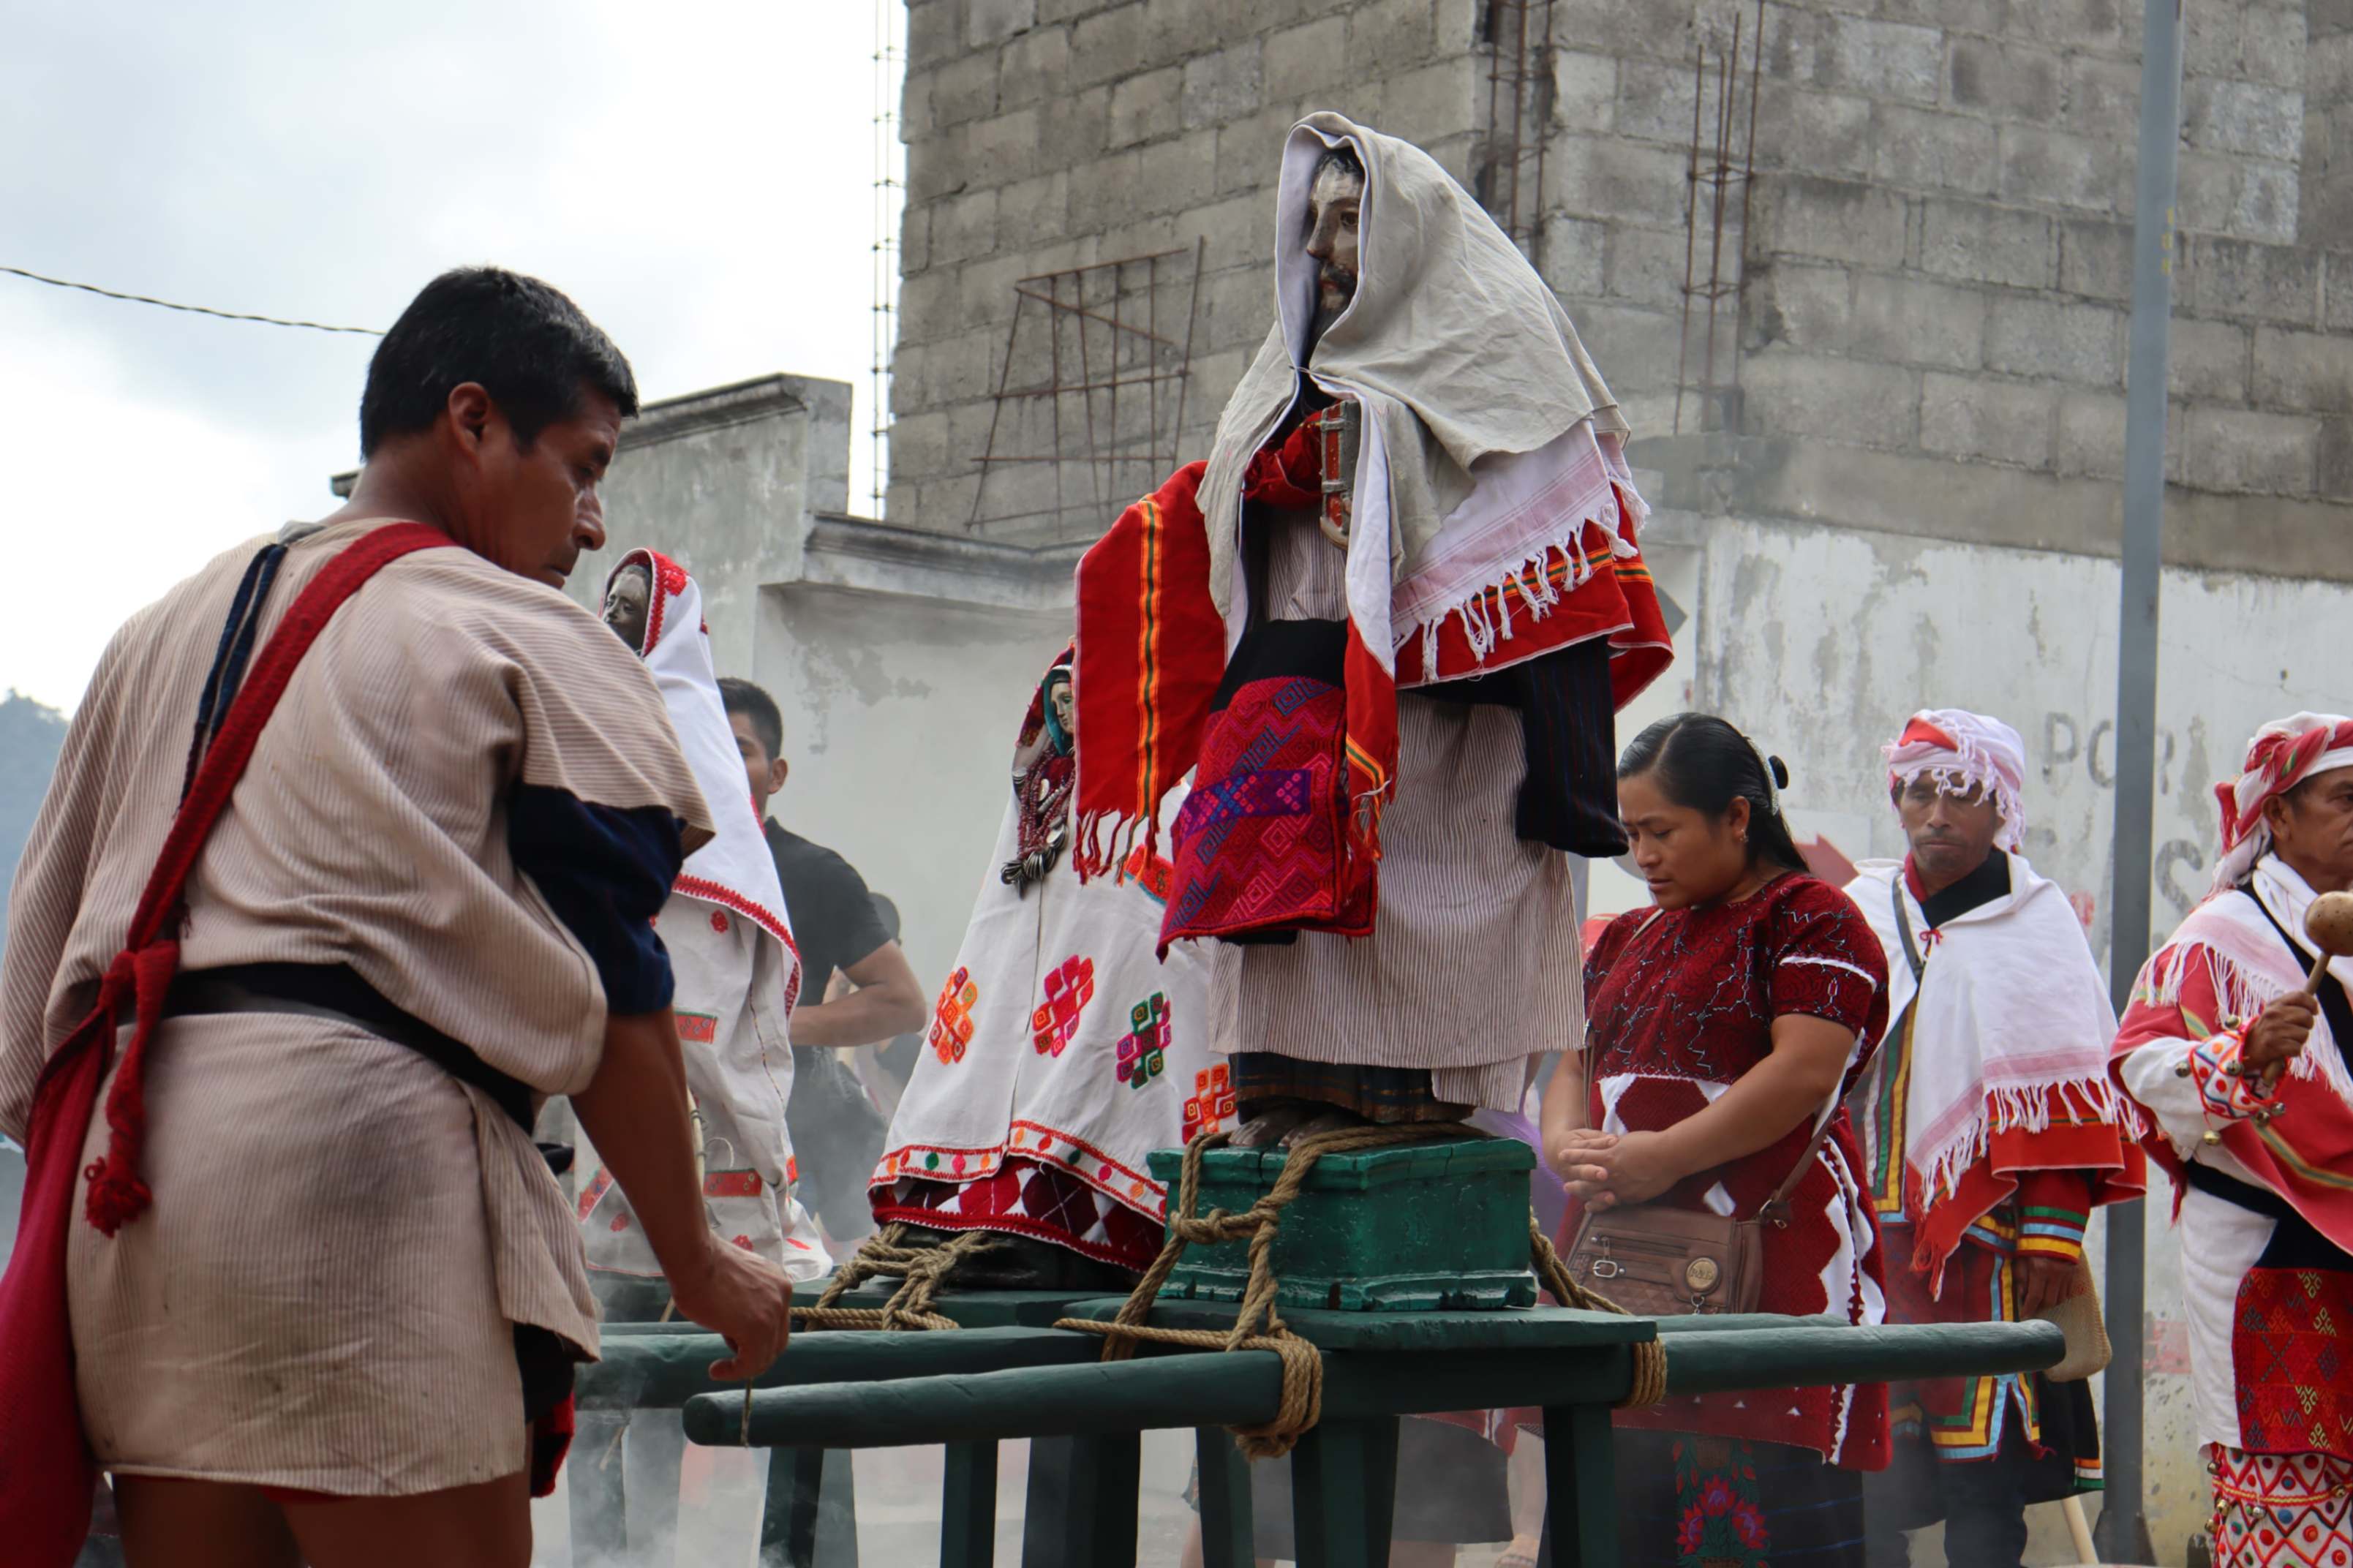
{"x": 605, "y": 872}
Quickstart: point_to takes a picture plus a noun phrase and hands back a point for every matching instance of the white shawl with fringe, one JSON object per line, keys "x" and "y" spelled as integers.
{"x": 2248, "y": 965}
{"x": 1490, "y": 442}
{"x": 2011, "y": 1013}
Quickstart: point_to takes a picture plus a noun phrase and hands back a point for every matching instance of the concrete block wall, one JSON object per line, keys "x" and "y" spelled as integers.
{"x": 1937, "y": 264}
{"x": 1938, "y": 260}
{"x": 1046, "y": 134}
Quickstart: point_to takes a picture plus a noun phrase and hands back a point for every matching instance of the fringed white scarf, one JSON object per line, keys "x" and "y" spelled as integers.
{"x": 2248, "y": 964}
{"x": 2011, "y": 1016}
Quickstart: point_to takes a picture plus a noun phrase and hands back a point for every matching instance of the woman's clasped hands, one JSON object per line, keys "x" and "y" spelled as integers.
{"x": 1604, "y": 1170}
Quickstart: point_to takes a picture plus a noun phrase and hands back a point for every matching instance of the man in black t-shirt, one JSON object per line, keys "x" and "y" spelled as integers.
{"x": 836, "y": 1132}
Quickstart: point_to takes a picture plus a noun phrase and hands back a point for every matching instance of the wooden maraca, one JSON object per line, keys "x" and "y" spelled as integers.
{"x": 2329, "y": 926}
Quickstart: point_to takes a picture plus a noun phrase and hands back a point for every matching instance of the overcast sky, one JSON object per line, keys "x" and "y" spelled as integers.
{"x": 698, "y": 175}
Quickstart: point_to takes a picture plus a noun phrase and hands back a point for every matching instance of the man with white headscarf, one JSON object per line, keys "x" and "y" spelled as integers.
{"x": 2246, "y": 1075}
{"x": 1991, "y": 1131}
{"x": 1418, "y": 482}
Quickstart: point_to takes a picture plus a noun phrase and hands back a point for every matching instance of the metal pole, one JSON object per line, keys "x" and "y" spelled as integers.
{"x": 2123, "y": 1534}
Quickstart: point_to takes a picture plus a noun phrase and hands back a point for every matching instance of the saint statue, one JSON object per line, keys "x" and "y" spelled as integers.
{"x": 736, "y": 969}
{"x": 1386, "y": 627}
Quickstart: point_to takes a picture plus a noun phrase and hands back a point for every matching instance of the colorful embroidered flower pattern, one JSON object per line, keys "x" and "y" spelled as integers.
{"x": 952, "y": 1019}
{"x": 1721, "y": 1523}
{"x": 1143, "y": 1050}
{"x": 1068, "y": 989}
{"x": 1212, "y": 1102}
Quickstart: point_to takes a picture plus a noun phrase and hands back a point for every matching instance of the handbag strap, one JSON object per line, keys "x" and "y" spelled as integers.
{"x": 1775, "y": 1205}
{"x": 232, "y": 747}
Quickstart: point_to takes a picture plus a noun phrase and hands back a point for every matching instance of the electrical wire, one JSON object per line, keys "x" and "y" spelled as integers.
{"x": 193, "y": 309}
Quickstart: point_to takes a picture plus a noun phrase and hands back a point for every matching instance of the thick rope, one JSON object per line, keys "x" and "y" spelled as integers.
{"x": 922, "y": 1271}
{"x": 1649, "y": 1360}
{"x": 1258, "y": 1324}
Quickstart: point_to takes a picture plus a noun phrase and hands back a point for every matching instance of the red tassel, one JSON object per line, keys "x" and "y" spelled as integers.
{"x": 117, "y": 1196}
{"x": 115, "y": 1199}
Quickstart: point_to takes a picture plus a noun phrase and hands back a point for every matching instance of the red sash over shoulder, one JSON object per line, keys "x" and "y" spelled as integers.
{"x": 46, "y": 1471}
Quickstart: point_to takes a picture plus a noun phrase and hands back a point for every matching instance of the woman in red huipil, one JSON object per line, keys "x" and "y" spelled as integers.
{"x": 1722, "y": 1023}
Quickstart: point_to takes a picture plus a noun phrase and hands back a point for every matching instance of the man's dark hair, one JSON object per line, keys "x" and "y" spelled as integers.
{"x": 741, "y": 697}
{"x": 1701, "y": 763}
{"x": 527, "y": 344}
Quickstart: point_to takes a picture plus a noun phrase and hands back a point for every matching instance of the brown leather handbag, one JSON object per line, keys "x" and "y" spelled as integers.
{"x": 1664, "y": 1262}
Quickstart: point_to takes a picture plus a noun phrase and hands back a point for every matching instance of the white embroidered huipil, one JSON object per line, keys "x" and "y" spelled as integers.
{"x": 737, "y": 969}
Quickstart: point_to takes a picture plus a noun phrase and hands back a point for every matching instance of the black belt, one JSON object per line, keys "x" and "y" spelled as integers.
{"x": 2220, "y": 1184}
{"x": 337, "y": 992}
{"x": 2295, "y": 1242}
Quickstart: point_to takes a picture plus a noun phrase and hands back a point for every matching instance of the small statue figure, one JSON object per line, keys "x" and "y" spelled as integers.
{"x": 1385, "y": 628}
{"x": 1062, "y": 1054}
{"x": 628, "y": 599}
{"x": 737, "y": 971}
{"x": 1041, "y": 790}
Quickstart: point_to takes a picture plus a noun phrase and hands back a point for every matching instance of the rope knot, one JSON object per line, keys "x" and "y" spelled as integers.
{"x": 1258, "y": 1324}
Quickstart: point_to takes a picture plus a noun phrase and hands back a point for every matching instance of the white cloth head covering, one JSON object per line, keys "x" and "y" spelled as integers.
{"x": 734, "y": 871}
{"x": 1964, "y": 751}
{"x": 1462, "y": 359}
{"x": 2283, "y": 754}
{"x": 737, "y": 967}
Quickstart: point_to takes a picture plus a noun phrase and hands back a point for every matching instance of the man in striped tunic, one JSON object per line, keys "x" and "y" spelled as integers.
{"x": 327, "y": 1335}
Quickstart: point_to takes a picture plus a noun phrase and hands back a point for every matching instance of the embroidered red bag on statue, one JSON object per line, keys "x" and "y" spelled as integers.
{"x": 47, "y": 1473}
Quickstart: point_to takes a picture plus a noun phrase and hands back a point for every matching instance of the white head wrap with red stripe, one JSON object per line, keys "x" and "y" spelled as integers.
{"x": 1964, "y": 751}
{"x": 2283, "y": 753}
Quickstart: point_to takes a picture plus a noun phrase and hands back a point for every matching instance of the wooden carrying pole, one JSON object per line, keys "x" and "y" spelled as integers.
{"x": 1244, "y": 1387}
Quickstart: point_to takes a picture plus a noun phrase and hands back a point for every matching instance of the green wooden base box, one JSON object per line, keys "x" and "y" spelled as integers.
{"x": 1412, "y": 1228}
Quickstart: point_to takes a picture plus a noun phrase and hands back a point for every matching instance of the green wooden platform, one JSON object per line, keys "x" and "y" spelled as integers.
{"x": 1457, "y": 1332}
{"x": 1458, "y": 1209}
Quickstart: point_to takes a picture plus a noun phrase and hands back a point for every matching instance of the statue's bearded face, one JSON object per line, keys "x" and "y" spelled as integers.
{"x": 1334, "y": 203}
